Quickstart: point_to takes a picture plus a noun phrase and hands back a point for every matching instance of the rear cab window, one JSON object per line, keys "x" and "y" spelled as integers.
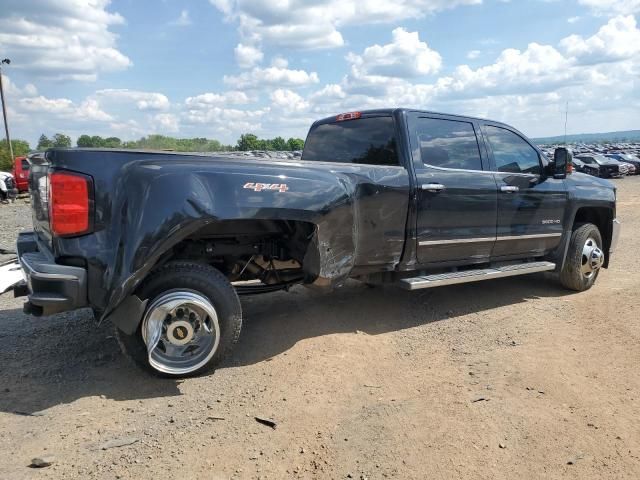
{"x": 25, "y": 164}
{"x": 367, "y": 140}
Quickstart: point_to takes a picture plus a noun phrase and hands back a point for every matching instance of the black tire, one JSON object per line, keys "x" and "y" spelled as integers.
{"x": 198, "y": 278}
{"x": 571, "y": 275}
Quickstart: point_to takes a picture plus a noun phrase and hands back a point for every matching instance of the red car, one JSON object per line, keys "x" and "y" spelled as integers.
{"x": 21, "y": 168}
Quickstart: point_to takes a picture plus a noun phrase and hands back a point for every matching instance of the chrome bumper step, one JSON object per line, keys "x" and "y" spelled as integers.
{"x": 468, "y": 276}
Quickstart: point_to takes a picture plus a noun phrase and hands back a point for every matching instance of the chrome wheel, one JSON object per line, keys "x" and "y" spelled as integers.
{"x": 592, "y": 258}
{"x": 181, "y": 332}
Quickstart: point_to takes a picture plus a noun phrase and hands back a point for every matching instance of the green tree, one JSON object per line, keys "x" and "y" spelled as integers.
{"x": 279, "y": 144}
{"x": 295, "y": 144}
{"x": 112, "y": 142}
{"x": 44, "y": 142}
{"x": 61, "y": 141}
{"x": 248, "y": 141}
{"x": 20, "y": 149}
{"x": 97, "y": 141}
{"x": 84, "y": 141}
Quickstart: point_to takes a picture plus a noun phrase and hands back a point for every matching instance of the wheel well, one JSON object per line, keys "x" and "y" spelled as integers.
{"x": 274, "y": 251}
{"x": 602, "y": 218}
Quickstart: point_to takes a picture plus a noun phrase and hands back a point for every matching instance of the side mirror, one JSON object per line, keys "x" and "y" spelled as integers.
{"x": 562, "y": 162}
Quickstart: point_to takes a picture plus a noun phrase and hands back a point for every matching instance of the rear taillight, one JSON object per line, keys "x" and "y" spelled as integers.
{"x": 70, "y": 203}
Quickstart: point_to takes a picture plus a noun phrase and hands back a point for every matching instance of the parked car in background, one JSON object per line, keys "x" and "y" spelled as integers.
{"x": 607, "y": 167}
{"x": 626, "y": 158}
{"x": 587, "y": 168}
{"x": 21, "y": 167}
{"x": 8, "y": 189}
{"x": 631, "y": 168}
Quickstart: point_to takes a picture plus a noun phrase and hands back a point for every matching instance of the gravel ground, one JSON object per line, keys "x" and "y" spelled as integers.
{"x": 14, "y": 218}
{"x": 507, "y": 379}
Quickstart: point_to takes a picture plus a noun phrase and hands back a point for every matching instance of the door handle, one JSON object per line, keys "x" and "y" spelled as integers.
{"x": 433, "y": 187}
{"x": 509, "y": 189}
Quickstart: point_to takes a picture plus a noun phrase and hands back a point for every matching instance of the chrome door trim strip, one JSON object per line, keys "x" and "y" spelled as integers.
{"x": 529, "y": 237}
{"x": 428, "y": 243}
{"x": 456, "y": 241}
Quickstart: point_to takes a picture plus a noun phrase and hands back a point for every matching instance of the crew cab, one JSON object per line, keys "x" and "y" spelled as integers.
{"x": 162, "y": 244}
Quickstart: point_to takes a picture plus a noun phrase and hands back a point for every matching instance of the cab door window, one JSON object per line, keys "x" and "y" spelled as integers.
{"x": 511, "y": 153}
{"x": 448, "y": 144}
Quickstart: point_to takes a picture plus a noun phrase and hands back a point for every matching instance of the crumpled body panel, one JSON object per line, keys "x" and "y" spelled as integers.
{"x": 148, "y": 202}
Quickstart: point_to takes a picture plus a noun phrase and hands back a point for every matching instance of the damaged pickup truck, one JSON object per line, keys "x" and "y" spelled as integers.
{"x": 162, "y": 244}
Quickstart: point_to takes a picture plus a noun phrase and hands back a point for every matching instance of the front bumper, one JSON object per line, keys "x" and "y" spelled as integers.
{"x": 615, "y": 236}
{"x": 52, "y": 288}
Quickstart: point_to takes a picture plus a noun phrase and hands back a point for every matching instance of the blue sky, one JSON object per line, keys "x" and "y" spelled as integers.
{"x": 220, "y": 68}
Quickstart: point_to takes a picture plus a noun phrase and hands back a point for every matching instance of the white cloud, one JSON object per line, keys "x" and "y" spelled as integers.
{"x": 311, "y": 24}
{"x": 279, "y": 62}
{"x": 184, "y": 20}
{"x": 90, "y": 110}
{"x": 288, "y": 100}
{"x": 406, "y": 56}
{"x": 224, "y": 123}
{"x": 63, "y": 108}
{"x": 612, "y": 6}
{"x": 206, "y": 100}
{"x": 539, "y": 66}
{"x": 272, "y": 76}
{"x": 12, "y": 90}
{"x": 166, "y": 122}
{"x": 142, "y": 100}
{"x": 618, "y": 40}
{"x": 61, "y": 39}
{"x": 247, "y": 56}
{"x": 597, "y": 73}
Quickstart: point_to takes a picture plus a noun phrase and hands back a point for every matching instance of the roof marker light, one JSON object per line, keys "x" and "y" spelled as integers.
{"x": 348, "y": 116}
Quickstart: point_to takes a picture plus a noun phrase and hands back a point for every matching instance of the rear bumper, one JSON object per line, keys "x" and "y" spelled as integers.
{"x": 52, "y": 288}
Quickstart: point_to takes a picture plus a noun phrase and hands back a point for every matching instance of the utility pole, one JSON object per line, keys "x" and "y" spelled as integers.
{"x": 4, "y": 109}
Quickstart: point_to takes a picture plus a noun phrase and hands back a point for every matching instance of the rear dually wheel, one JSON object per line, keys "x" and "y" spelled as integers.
{"x": 192, "y": 320}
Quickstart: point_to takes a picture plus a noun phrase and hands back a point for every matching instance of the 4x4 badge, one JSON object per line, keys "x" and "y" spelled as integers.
{"x": 260, "y": 187}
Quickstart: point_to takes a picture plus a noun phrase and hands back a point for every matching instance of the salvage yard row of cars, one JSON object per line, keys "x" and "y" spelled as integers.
{"x": 610, "y": 161}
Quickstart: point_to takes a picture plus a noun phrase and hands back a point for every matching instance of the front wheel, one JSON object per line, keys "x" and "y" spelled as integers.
{"x": 192, "y": 320}
{"x": 584, "y": 258}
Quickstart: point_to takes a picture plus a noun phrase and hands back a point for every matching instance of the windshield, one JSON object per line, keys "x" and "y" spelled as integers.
{"x": 364, "y": 141}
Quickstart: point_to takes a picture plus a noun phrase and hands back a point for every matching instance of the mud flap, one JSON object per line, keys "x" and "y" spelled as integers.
{"x": 11, "y": 276}
{"x": 128, "y": 315}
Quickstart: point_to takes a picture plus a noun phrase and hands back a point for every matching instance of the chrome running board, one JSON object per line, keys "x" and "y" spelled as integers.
{"x": 468, "y": 276}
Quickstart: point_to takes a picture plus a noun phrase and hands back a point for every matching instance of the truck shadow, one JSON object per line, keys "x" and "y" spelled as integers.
{"x": 273, "y": 324}
{"x": 48, "y": 362}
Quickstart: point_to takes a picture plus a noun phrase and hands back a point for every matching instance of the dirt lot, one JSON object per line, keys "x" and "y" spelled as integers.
{"x": 508, "y": 379}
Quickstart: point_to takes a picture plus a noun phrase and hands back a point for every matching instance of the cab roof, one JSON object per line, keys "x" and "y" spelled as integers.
{"x": 401, "y": 110}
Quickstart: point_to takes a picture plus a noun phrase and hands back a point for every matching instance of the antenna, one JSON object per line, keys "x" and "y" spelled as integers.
{"x": 566, "y": 120}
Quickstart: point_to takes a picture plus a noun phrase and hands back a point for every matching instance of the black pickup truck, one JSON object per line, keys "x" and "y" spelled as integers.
{"x": 162, "y": 244}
